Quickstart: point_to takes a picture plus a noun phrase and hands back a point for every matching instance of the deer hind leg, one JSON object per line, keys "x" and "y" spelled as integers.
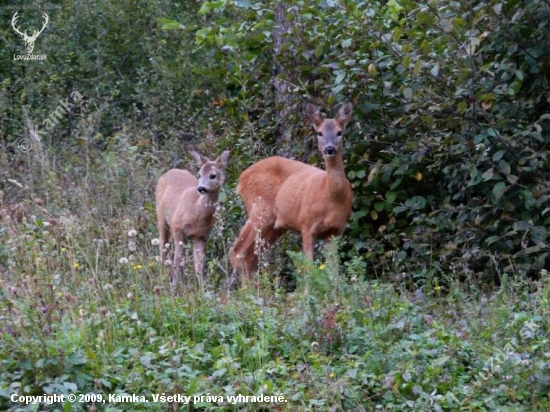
{"x": 199, "y": 246}
{"x": 308, "y": 245}
{"x": 256, "y": 236}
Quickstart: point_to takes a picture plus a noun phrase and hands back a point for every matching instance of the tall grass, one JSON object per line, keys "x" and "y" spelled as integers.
{"x": 85, "y": 307}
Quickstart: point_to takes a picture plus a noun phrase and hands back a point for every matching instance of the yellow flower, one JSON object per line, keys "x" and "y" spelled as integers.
{"x": 438, "y": 288}
{"x": 322, "y": 266}
{"x": 332, "y": 375}
{"x": 418, "y": 176}
{"x": 76, "y": 265}
{"x": 63, "y": 249}
{"x": 138, "y": 267}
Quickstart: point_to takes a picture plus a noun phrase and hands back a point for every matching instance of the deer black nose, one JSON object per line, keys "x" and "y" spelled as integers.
{"x": 202, "y": 190}
{"x": 330, "y": 150}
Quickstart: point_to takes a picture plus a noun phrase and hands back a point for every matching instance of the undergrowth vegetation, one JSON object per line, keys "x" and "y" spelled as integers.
{"x": 437, "y": 295}
{"x": 86, "y": 308}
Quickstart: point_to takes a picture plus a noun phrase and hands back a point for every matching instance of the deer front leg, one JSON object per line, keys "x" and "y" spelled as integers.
{"x": 199, "y": 246}
{"x": 178, "y": 255}
{"x": 164, "y": 237}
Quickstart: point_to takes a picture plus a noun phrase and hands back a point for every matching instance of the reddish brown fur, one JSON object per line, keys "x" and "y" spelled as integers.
{"x": 282, "y": 194}
{"x": 183, "y": 212}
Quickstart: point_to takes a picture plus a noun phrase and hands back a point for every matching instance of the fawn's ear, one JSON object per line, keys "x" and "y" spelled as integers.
{"x": 344, "y": 114}
{"x": 223, "y": 159}
{"x": 199, "y": 160}
{"x": 314, "y": 115}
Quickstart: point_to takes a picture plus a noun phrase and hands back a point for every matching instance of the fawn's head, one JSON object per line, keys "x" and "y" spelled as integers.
{"x": 212, "y": 173}
{"x": 329, "y": 131}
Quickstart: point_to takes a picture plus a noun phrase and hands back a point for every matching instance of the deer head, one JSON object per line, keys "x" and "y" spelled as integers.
{"x": 29, "y": 40}
{"x": 329, "y": 131}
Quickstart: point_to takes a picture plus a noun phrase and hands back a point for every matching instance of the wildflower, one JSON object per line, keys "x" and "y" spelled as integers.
{"x": 353, "y": 279}
{"x": 437, "y": 288}
{"x": 138, "y": 267}
{"x": 59, "y": 294}
{"x": 167, "y": 262}
{"x": 166, "y": 245}
{"x": 155, "y": 242}
{"x": 418, "y": 176}
{"x": 108, "y": 286}
{"x": 130, "y": 295}
{"x": 131, "y": 257}
{"x": 322, "y": 266}
{"x": 123, "y": 261}
{"x": 151, "y": 264}
{"x": 63, "y": 249}
{"x": 132, "y": 246}
{"x": 132, "y": 233}
{"x": 331, "y": 375}
{"x": 76, "y": 265}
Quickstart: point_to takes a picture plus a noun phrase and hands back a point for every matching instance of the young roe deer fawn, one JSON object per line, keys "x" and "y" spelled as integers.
{"x": 185, "y": 209}
{"x": 282, "y": 194}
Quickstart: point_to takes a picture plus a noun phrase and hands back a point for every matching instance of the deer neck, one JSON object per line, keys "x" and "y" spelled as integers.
{"x": 337, "y": 182}
{"x": 208, "y": 200}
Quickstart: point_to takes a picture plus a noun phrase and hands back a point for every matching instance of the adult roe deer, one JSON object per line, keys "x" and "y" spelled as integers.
{"x": 185, "y": 209}
{"x": 282, "y": 194}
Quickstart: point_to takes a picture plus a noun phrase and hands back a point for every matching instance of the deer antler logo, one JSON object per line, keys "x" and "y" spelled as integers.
{"x": 29, "y": 40}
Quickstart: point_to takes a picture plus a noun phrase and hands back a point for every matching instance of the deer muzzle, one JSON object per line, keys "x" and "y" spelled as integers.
{"x": 329, "y": 151}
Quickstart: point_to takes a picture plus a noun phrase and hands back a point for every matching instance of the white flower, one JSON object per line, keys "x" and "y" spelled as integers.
{"x": 132, "y": 233}
{"x": 123, "y": 261}
{"x": 132, "y": 246}
{"x": 155, "y": 242}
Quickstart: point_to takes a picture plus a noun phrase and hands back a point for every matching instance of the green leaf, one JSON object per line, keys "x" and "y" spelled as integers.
{"x": 340, "y": 77}
{"x": 488, "y": 175}
{"x": 499, "y": 189}
{"x": 168, "y": 24}
{"x": 391, "y": 196}
{"x": 416, "y": 202}
{"x": 346, "y": 43}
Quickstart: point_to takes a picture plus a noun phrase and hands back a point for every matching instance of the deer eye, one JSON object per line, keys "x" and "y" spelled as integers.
{"x": 212, "y": 176}
{"x": 339, "y": 133}
{"x": 319, "y": 134}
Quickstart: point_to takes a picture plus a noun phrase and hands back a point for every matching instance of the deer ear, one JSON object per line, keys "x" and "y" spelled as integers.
{"x": 344, "y": 114}
{"x": 199, "y": 160}
{"x": 222, "y": 160}
{"x": 314, "y": 115}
